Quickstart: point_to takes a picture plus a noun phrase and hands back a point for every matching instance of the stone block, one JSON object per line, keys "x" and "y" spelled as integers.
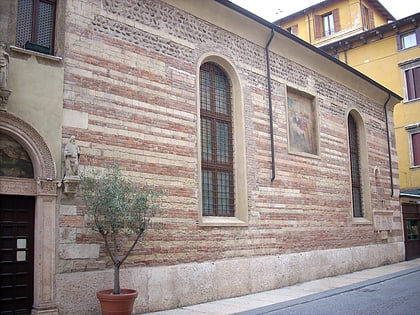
{"x": 67, "y": 235}
{"x": 75, "y": 119}
{"x": 68, "y": 210}
{"x": 232, "y": 277}
{"x": 162, "y": 288}
{"x": 195, "y": 281}
{"x": 79, "y": 251}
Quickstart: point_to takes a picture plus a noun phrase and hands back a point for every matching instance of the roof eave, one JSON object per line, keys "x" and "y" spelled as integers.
{"x": 307, "y": 45}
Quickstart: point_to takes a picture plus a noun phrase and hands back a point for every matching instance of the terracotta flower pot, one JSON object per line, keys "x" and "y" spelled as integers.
{"x": 117, "y": 304}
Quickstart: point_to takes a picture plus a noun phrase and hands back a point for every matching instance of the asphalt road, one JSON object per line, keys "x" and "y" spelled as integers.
{"x": 398, "y": 294}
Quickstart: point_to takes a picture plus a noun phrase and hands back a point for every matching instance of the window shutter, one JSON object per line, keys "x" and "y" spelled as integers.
{"x": 294, "y": 30}
{"x": 364, "y": 16}
{"x": 412, "y": 80}
{"x": 409, "y": 81}
{"x": 399, "y": 44}
{"x": 45, "y": 27}
{"x": 418, "y": 36}
{"x": 415, "y": 141}
{"x": 371, "y": 19}
{"x": 24, "y": 22}
{"x": 336, "y": 18}
{"x": 416, "y": 76}
{"x": 318, "y": 26}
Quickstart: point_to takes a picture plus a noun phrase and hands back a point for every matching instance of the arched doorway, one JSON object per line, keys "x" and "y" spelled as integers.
{"x": 28, "y": 192}
{"x": 17, "y": 214}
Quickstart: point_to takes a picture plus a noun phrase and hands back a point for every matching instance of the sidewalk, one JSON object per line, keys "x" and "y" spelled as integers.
{"x": 263, "y": 299}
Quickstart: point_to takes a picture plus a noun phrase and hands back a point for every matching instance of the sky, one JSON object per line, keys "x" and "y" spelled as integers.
{"x": 272, "y": 10}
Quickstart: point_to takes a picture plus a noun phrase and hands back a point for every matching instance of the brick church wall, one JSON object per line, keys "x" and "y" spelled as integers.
{"x": 130, "y": 95}
{"x": 134, "y": 75}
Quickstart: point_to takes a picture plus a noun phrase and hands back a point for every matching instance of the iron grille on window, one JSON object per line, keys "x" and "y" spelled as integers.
{"x": 355, "y": 168}
{"x": 35, "y": 25}
{"x": 216, "y": 142}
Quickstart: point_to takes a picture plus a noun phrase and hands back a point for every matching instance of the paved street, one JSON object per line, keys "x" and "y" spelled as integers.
{"x": 398, "y": 294}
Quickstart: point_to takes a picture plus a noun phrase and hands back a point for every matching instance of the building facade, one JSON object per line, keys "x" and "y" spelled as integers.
{"x": 270, "y": 151}
{"x": 368, "y": 38}
{"x": 334, "y": 20}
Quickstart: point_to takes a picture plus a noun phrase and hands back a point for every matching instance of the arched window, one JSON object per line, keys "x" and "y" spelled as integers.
{"x": 356, "y": 182}
{"x": 216, "y": 142}
{"x": 222, "y": 167}
{"x": 359, "y": 169}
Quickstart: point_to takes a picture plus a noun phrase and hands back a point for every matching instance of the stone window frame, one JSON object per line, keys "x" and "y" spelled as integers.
{"x": 400, "y": 38}
{"x": 240, "y": 217}
{"x": 411, "y": 130}
{"x": 36, "y": 19}
{"x": 363, "y": 167}
{"x": 406, "y": 66}
{"x": 58, "y": 32}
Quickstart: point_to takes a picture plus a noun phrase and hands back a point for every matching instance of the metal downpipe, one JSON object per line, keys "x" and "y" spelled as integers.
{"x": 389, "y": 146}
{"x": 270, "y": 105}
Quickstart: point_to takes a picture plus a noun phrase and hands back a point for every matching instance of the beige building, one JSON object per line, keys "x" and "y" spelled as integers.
{"x": 270, "y": 152}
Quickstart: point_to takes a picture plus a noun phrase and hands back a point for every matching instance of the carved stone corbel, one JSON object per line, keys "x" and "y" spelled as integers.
{"x": 4, "y": 99}
{"x": 70, "y": 184}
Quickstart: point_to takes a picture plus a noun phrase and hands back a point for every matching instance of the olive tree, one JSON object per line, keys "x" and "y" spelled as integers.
{"x": 119, "y": 210}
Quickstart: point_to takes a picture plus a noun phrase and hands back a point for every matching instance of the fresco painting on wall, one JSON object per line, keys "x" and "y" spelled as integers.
{"x": 302, "y": 124}
{"x": 14, "y": 160}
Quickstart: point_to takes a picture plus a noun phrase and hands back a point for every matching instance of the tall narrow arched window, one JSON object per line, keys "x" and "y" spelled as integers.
{"x": 355, "y": 165}
{"x": 216, "y": 142}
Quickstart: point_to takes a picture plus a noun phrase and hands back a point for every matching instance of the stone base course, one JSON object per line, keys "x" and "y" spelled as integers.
{"x": 167, "y": 287}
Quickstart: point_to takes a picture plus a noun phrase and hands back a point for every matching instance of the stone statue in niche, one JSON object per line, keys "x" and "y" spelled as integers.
{"x": 71, "y": 155}
{"x": 4, "y": 72}
{"x": 4, "y": 66}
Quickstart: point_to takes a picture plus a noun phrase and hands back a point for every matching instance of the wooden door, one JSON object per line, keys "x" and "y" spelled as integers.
{"x": 411, "y": 216}
{"x": 16, "y": 254}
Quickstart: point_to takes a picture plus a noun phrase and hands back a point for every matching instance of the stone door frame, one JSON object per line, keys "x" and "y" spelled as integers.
{"x": 44, "y": 187}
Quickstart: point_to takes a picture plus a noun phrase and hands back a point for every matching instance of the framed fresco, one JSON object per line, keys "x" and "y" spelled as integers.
{"x": 302, "y": 123}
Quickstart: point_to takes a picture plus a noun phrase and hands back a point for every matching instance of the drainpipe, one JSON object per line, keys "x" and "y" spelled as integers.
{"x": 345, "y": 56}
{"x": 270, "y": 105}
{"x": 389, "y": 146}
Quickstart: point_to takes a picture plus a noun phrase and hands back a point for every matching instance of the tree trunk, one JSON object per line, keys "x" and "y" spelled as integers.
{"x": 116, "y": 278}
